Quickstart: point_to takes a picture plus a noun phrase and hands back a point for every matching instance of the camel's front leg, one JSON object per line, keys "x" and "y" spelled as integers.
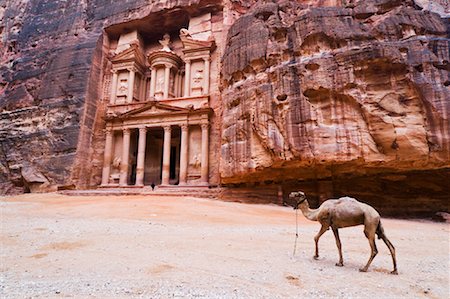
{"x": 323, "y": 229}
{"x": 339, "y": 246}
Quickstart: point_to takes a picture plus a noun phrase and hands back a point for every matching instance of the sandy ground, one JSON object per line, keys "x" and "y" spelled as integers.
{"x": 165, "y": 247}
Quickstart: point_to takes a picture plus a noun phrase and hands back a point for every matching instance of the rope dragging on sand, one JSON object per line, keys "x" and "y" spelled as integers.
{"x": 296, "y": 231}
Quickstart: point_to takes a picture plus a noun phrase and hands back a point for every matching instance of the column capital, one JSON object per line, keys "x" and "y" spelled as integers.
{"x": 108, "y": 131}
{"x": 143, "y": 129}
{"x": 187, "y": 61}
{"x": 132, "y": 69}
{"x": 168, "y": 66}
{"x": 184, "y": 127}
{"x": 114, "y": 71}
{"x": 207, "y": 59}
{"x": 167, "y": 128}
{"x": 126, "y": 131}
{"x": 204, "y": 126}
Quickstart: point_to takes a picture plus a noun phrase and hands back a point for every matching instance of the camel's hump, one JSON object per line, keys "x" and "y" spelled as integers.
{"x": 347, "y": 198}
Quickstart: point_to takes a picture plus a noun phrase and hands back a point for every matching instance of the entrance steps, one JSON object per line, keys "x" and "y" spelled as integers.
{"x": 193, "y": 191}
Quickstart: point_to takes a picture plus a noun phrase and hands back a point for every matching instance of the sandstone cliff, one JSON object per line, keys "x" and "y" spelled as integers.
{"x": 332, "y": 96}
{"x": 338, "y": 93}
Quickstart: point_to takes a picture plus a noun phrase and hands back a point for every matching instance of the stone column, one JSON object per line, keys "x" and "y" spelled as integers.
{"x": 108, "y": 157}
{"x": 180, "y": 85}
{"x": 132, "y": 74}
{"x": 187, "y": 79}
{"x": 142, "y": 89}
{"x": 205, "y": 154}
{"x": 176, "y": 90}
{"x": 153, "y": 82}
{"x": 123, "y": 181}
{"x": 166, "y": 81}
{"x": 166, "y": 156}
{"x": 112, "y": 99}
{"x": 140, "y": 168}
{"x": 184, "y": 154}
{"x": 206, "y": 77}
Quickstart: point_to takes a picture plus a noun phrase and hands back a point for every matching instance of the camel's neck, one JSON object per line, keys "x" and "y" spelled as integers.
{"x": 310, "y": 214}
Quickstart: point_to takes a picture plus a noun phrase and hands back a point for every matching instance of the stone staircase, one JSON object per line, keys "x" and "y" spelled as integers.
{"x": 194, "y": 191}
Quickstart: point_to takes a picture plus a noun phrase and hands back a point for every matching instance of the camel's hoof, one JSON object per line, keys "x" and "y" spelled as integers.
{"x": 316, "y": 257}
{"x": 339, "y": 264}
{"x": 394, "y": 272}
{"x": 362, "y": 270}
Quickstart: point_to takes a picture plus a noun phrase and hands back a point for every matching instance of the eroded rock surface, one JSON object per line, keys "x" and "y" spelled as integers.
{"x": 363, "y": 85}
{"x": 319, "y": 94}
{"x": 51, "y": 80}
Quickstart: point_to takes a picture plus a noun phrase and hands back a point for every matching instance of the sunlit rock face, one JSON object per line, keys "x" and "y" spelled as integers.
{"x": 335, "y": 89}
{"x": 335, "y": 97}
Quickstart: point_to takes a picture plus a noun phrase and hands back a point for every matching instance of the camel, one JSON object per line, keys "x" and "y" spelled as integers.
{"x": 345, "y": 212}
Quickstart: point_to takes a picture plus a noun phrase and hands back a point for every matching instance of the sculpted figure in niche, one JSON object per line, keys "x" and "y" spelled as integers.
{"x": 165, "y": 43}
{"x": 172, "y": 83}
{"x": 160, "y": 84}
{"x": 123, "y": 86}
{"x": 115, "y": 175}
{"x": 196, "y": 161}
{"x": 198, "y": 77}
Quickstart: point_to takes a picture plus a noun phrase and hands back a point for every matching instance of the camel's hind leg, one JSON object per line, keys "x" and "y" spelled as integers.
{"x": 381, "y": 235}
{"x": 373, "y": 247}
{"x": 323, "y": 229}
{"x": 339, "y": 246}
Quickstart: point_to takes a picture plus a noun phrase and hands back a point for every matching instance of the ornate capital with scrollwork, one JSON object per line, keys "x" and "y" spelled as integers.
{"x": 204, "y": 126}
{"x": 184, "y": 127}
{"x": 167, "y": 129}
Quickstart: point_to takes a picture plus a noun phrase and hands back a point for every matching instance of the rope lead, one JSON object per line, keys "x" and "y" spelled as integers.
{"x": 296, "y": 231}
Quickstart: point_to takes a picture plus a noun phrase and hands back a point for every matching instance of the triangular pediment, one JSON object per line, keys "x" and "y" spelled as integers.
{"x": 131, "y": 54}
{"x": 153, "y": 108}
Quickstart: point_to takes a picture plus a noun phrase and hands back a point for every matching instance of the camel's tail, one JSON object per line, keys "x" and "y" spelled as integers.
{"x": 380, "y": 230}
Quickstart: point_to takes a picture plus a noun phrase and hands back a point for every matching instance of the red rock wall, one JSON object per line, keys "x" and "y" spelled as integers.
{"x": 341, "y": 93}
{"x": 334, "y": 97}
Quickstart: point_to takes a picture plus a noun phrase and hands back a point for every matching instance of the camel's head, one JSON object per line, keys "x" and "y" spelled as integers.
{"x": 298, "y": 198}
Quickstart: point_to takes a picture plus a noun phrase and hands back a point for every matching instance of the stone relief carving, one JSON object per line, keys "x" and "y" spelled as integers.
{"x": 115, "y": 173}
{"x": 123, "y": 86}
{"x": 160, "y": 84}
{"x": 165, "y": 43}
{"x": 196, "y": 161}
{"x": 198, "y": 78}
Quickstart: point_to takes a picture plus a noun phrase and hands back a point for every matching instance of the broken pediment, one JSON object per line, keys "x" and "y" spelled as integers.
{"x": 189, "y": 43}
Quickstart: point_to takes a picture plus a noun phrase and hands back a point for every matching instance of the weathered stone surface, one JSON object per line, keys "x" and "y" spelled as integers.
{"x": 335, "y": 97}
{"x": 324, "y": 92}
{"x": 51, "y": 79}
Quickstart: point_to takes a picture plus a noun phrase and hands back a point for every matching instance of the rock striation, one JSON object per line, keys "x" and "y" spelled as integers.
{"x": 334, "y": 93}
{"x": 335, "y": 97}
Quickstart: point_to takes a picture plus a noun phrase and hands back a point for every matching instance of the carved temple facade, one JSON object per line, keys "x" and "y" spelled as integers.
{"x": 158, "y": 116}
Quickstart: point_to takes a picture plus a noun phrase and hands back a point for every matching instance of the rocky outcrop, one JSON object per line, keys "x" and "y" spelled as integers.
{"x": 327, "y": 93}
